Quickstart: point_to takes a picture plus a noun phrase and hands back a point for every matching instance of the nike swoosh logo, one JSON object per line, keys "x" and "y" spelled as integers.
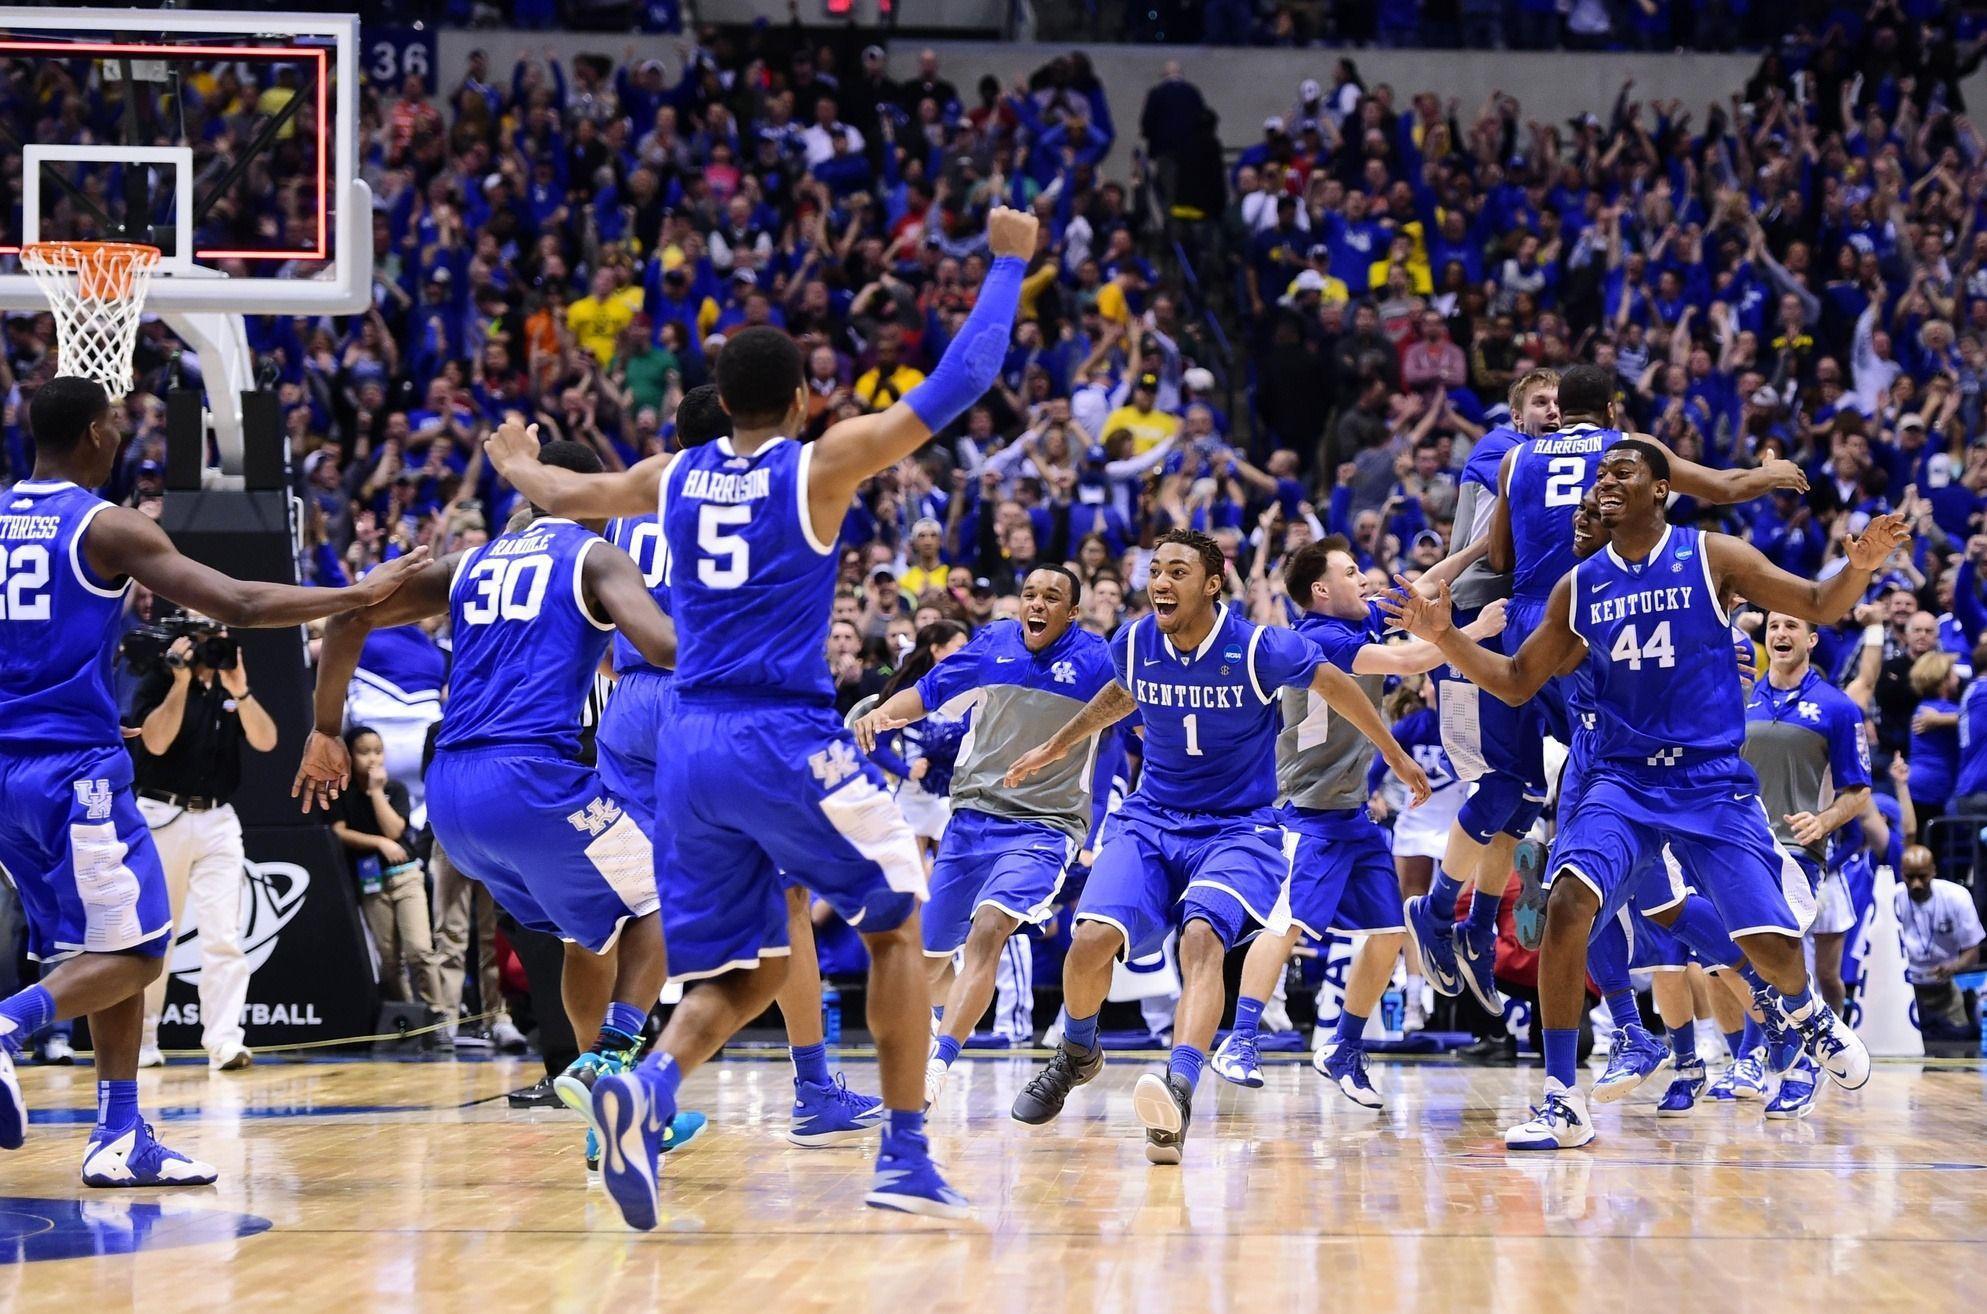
{"x": 1150, "y": 661}
{"x": 1602, "y": 587}
{"x": 1740, "y": 798}
{"x": 1002, "y": 661}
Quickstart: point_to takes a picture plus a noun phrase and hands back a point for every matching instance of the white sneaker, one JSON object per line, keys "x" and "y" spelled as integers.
{"x": 1559, "y": 1123}
{"x": 1415, "y": 1016}
{"x": 1276, "y": 1016}
{"x": 57, "y": 1049}
{"x": 149, "y": 1056}
{"x": 234, "y": 1058}
{"x": 134, "y": 1158}
{"x": 507, "y": 1037}
{"x": 936, "y": 1071}
{"x": 13, "y": 1108}
{"x": 1830, "y": 1043}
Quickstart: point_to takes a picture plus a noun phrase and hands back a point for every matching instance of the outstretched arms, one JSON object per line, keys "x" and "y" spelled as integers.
{"x": 1552, "y": 649}
{"x": 513, "y": 450}
{"x": 1349, "y": 701}
{"x": 1739, "y": 567}
{"x": 1112, "y": 704}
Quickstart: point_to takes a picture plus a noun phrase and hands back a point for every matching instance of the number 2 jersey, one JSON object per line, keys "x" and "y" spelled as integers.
{"x": 58, "y": 625}
{"x": 1549, "y": 476}
{"x": 1659, "y": 650}
{"x": 750, "y": 586}
{"x": 526, "y": 646}
{"x": 1212, "y": 715}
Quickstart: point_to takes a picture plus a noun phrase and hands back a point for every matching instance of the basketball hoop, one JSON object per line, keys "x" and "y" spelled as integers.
{"x": 97, "y": 291}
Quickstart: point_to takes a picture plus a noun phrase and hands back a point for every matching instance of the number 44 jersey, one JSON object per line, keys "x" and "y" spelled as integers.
{"x": 58, "y": 624}
{"x": 750, "y": 586}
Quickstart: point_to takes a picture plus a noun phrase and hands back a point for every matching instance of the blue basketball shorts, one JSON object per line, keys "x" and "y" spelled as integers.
{"x": 1158, "y": 869}
{"x": 555, "y": 847}
{"x": 1341, "y": 873}
{"x": 75, "y": 846}
{"x": 993, "y": 862}
{"x": 750, "y": 789}
{"x": 1710, "y": 815}
{"x": 1522, "y": 618}
{"x": 631, "y": 726}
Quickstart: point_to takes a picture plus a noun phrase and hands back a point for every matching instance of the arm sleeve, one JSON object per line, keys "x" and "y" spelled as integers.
{"x": 972, "y": 362}
{"x": 886, "y": 756}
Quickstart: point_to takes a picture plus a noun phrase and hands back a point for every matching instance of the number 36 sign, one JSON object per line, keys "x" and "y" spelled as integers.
{"x": 391, "y": 54}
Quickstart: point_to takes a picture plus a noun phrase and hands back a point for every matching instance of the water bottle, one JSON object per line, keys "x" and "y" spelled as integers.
{"x": 1393, "y": 1012}
{"x": 831, "y": 1014}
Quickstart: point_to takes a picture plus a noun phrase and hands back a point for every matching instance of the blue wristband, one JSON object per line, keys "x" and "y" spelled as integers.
{"x": 972, "y": 362}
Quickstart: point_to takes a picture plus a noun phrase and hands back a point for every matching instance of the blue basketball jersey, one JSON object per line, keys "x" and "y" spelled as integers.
{"x": 750, "y": 586}
{"x": 1549, "y": 476}
{"x": 58, "y": 624}
{"x": 1212, "y": 715}
{"x": 1659, "y": 650}
{"x": 641, "y": 538}
{"x": 526, "y": 648}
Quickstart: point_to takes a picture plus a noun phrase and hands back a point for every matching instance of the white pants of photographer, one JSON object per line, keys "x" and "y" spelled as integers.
{"x": 202, "y": 856}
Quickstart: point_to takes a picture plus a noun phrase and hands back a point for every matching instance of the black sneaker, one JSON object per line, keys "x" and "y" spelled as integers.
{"x": 1069, "y": 1067}
{"x": 539, "y": 1096}
{"x": 1491, "y": 1051}
{"x": 1165, "y": 1105}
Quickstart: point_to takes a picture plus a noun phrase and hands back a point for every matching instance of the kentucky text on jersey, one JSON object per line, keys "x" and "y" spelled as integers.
{"x": 1165, "y": 693}
{"x": 1602, "y": 610}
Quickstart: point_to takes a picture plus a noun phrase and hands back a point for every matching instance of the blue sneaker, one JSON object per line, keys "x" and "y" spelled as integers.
{"x": 1236, "y": 1060}
{"x": 1345, "y": 1067}
{"x": 1476, "y": 959}
{"x": 910, "y": 1184}
{"x": 1783, "y": 1042}
{"x": 1684, "y": 1089}
{"x": 133, "y": 1157}
{"x": 1637, "y": 1056}
{"x": 1796, "y": 1096}
{"x": 1745, "y": 1079}
{"x": 13, "y": 1106}
{"x": 1528, "y": 917}
{"x": 1435, "y": 939}
{"x": 832, "y": 1114}
{"x": 631, "y": 1118}
{"x": 683, "y": 1129}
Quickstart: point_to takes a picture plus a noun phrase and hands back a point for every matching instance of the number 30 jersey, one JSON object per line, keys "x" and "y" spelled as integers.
{"x": 526, "y": 646}
{"x": 750, "y": 587}
{"x": 1666, "y": 691}
{"x": 58, "y": 624}
{"x": 1549, "y": 476}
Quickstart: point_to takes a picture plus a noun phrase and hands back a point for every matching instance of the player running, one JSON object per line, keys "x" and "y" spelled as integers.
{"x": 764, "y": 776}
{"x": 1644, "y": 617}
{"x": 1006, "y": 851}
{"x": 1200, "y": 844}
{"x": 71, "y": 839}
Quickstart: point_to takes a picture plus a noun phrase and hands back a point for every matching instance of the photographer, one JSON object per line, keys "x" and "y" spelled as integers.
{"x": 186, "y": 729}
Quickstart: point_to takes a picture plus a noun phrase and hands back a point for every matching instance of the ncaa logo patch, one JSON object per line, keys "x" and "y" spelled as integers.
{"x": 1232, "y": 653}
{"x": 95, "y": 798}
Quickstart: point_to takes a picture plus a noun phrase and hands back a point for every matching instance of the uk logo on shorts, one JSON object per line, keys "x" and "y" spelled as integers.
{"x": 833, "y": 764}
{"x": 1065, "y": 672}
{"x": 95, "y": 797}
{"x": 596, "y": 817}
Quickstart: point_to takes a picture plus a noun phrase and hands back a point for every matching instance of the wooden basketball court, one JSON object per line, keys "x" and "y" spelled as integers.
{"x": 363, "y": 1186}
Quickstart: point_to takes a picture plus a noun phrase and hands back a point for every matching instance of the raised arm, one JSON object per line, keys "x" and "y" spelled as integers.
{"x": 859, "y": 448}
{"x": 1346, "y": 698}
{"x": 322, "y": 773}
{"x": 1553, "y": 648}
{"x": 122, "y": 541}
{"x": 1419, "y": 656}
{"x": 1726, "y": 487}
{"x": 1739, "y": 567}
{"x": 894, "y": 713}
{"x": 636, "y": 491}
{"x": 614, "y": 582}
{"x": 1448, "y": 568}
{"x": 1112, "y": 704}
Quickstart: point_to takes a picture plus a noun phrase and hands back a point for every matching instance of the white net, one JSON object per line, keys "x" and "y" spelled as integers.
{"x": 97, "y": 291}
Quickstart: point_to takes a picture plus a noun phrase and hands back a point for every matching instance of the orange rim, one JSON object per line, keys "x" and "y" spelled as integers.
{"x": 104, "y": 270}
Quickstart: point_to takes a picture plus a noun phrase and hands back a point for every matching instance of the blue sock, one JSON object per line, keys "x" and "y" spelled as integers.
{"x": 117, "y": 1105}
{"x": 1248, "y": 1015}
{"x": 810, "y": 1064}
{"x": 24, "y": 1014}
{"x": 1080, "y": 1031}
{"x": 1752, "y": 1038}
{"x": 1736, "y": 1042}
{"x": 946, "y": 1051}
{"x": 1622, "y": 1008}
{"x": 1562, "y": 1056}
{"x": 904, "y": 1134}
{"x": 1186, "y": 1063}
{"x": 938, "y": 1011}
{"x": 621, "y": 1029}
{"x": 1699, "y": 926}
{"x": 1483, "y": 911}
{"x": 1351, "y": 1027}
{"x": 1796, "y": 1006}
{"x": 1442, "y": 892}
{"x": 1750, "y": 975}
{"x": 1683, "y": 1042}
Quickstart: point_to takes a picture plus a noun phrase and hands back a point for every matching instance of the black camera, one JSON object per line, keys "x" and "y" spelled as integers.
{"x": 148, "y": 648}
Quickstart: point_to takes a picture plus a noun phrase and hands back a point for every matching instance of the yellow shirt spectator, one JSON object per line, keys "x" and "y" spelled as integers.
{"x": 916, "y": 579}
{"x": 1112, "y": 305}
{"x": 596, "y": 320}
{"x": 1148, "y": 428}
{"x": 880, "y": 391}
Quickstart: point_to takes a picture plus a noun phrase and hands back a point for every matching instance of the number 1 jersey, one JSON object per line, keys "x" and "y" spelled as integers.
{"x": 750, "y": 586}
{"x": 58, "y": 624}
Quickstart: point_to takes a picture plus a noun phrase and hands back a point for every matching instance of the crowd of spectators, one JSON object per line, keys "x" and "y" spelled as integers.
{"x": 1796, "y": 269}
